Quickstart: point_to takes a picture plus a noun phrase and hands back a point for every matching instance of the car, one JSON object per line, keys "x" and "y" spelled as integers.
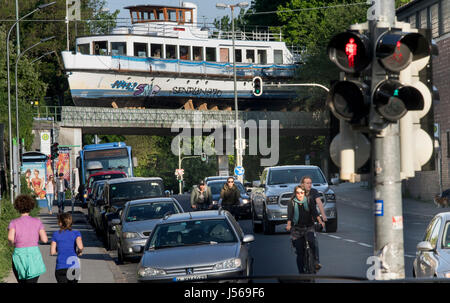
{"x": 270, "y": 199}
{"x": 137, "y": 220}
{"x": 244, "y": 209}
{"x": 97, "y": 188}
{"x": 116, "y": 193}
{"x": 102, "y": 175}
{"x": 433, "y": 253}
{"x": 196, "y": 246}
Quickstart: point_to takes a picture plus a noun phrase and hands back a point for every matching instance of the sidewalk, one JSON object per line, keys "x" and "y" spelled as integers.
{"x": 357, "y": 194}
{"x": 96, "y": 264}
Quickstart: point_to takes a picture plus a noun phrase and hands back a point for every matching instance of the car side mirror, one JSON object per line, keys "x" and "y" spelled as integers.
{"x": 256, "y": 183}
{"x": 115, "y": 221}
{"x": 424, "y": 246}
{"x": 248, "y": 238}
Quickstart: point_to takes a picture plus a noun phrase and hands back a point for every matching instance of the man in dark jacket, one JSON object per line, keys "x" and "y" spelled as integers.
{"x": 201, "y": 197}
{"x": 230, "y": 196}
{"x": 302, "y": 213}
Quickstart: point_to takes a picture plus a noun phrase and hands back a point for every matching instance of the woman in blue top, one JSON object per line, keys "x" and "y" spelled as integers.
{"x": 64, "y": 244}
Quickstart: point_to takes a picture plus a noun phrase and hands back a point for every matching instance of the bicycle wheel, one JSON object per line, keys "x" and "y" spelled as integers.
{"x": 309, "y": 260}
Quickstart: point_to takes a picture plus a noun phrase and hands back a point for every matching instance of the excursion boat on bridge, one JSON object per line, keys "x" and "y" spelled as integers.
{"x": 164, "y": 60}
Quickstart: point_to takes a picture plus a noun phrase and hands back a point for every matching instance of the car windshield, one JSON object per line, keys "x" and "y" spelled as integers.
{"x": 196, "y": 232}
{"x": 104, "y": 177}
{"x": 294, "y": 176}
{"x": 150, "y": 211}
{"x": 216, "y": 187}
{"x": 127, "y": 191}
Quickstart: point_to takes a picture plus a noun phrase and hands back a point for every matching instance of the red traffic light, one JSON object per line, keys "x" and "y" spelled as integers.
{"x": 393, "y": 100}
{"x": 347, "y": 100}
{"x": 350, "y": 51}
{"x": 396, "y": 50}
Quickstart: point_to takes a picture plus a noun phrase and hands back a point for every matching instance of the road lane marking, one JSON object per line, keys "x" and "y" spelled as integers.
{"x": 409, "y": 256}
{"x": 349, "y": 240}
{"x": 335, "y": 237}
{"x": 364, "y": 244}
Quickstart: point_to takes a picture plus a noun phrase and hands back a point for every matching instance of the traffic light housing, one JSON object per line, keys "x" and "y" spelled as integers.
{"x": 257, "y": 86}
{"x": 204, "y": 157}
{"x": 54, "y": 151}
{"x": 349, "y": 99}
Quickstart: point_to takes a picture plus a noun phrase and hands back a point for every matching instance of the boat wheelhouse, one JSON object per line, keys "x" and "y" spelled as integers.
{"x": 165, "y": 60}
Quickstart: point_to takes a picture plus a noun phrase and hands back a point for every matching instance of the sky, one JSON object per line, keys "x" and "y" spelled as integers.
{"x": 206, "y": 8}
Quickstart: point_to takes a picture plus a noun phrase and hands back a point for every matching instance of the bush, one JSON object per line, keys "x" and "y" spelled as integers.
{"x": 8, "y": 213}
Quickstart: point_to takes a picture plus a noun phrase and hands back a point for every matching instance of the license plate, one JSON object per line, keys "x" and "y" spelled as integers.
{"x": 190, "y": 278}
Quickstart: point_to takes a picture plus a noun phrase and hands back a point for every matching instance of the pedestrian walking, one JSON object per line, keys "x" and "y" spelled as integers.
{"x": 201, "y": 198}
{"x": 50, "y": 193}
{"x": 68, "y": 245}
{"x": 302, "y": 213}
{"x": 61, "y": 186}
{"x": 24, "y": 234}
{"x": 230, "y": 197}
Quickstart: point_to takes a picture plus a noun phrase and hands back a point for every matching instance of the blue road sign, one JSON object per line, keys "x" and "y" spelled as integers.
{"x": 239, "y": 170}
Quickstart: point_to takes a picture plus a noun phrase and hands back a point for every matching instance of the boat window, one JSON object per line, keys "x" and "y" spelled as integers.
{"x": 118, "y": 48}
{"x": 278, "y": 56}
{"x": 140, "y": 49}
{"x": 134, "y": 15}
{"x": 171, "y": 51}
{"x": 238, "y": 55}
{"x": 188, "y": 16}
{"x": 185, "y": 52}
{"x": 180, "y": 16}
{"x": 250, "y": 55}
{"x": 262, "y": 56}
{"x": 172, "y": 15}
{"x": 198, "y": 53}
{"x": 101, "y": 48}
{"x": 224, "y": 55}
{"x": 156, "y": 50}
{"x": 211, "y": 54}
{"x": 152, "y": 15}
{"x": 160, "y": 13}
{"x": 83, "y": 48}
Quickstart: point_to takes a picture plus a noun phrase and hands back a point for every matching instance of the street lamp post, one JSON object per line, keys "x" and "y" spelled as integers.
{"x": 238, "y": 146}
{"x": 17, "y": 189}
{"x": 9, "y": 94}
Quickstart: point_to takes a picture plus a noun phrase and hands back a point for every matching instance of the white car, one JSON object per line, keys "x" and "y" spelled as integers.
{"x": 433, "y": 253}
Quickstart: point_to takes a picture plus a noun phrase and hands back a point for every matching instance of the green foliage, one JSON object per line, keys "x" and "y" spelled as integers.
{"x": 224, "y": 24}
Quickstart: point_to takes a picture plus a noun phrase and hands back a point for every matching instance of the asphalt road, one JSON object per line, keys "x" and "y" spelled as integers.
{"x": 343, "y": 253}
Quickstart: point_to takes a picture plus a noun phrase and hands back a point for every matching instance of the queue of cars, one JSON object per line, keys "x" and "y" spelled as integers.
{"x": 138, "y": 217}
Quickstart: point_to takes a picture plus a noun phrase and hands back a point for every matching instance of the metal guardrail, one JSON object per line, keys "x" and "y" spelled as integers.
{"x": 73, "y": 116}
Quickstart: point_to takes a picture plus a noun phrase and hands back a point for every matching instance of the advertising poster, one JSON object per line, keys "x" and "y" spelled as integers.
{"x": 63, "y": 164}
{"x": 35, "y": 174}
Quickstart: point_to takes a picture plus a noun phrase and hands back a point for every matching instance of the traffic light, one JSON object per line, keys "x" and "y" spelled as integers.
{"x": 54, "y": 151}
{"x": 204, "y": 157}
{"x": 257, "y": 86}
{"x": 349, "y": 99}
{"x": 398, "y": 51}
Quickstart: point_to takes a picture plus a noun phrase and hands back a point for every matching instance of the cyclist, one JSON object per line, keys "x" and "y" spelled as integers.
{"x": 201, "y": 197}
{"x": 302, "y": 213}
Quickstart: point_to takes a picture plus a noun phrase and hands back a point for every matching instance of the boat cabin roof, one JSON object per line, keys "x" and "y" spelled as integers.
{"x": 159, "y": 13}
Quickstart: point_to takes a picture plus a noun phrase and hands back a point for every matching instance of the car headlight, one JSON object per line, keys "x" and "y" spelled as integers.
{"x": 130, "y": 235}
{"x": 215, "y": 202}
{"x": 330, "y": 197}
{"x": 245, "y": 201}
{"x": 272, "y": 199}
{"x": 447, "y": 275}
{"x": 150, "y": 271}
{"x": 228, "y": 264}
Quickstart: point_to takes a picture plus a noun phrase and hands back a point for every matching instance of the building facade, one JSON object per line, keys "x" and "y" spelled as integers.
{"x": 434, "y": 15}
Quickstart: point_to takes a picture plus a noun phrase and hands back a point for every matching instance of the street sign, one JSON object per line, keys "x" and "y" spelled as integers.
{"x": 239, "y": 170}
{"x": 179, "y": 172}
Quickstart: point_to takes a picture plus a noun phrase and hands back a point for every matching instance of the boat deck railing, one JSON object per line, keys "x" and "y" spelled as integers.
{"x": 248, "y": 36}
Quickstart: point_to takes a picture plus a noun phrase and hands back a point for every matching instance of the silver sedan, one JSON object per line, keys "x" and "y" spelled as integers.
{"x": 433, "y": 253}
{"x": 196, "y": 246}
{"x": 137, "y": 220}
